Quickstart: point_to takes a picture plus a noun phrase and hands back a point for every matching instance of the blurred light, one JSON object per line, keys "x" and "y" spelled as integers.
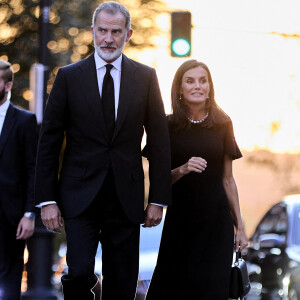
{"x": 163, "y": 22}
{"x": 53, "y": 18}
{"x": 16, "y": 68}
{"x": 286, "y": 281}
{"x": 83, "y": 49}
{"x": 4, "y": 11}
{"x": 55, "y": 70}
{"x": 27, "y": 95}
{"x": 279, "y": 271}
{"x": 275, "y": 251}
{"x": 18, "y": 10}
{"x": 26, "y": 255}
{"x": 15, "y": 3}
{"x": 5, "y": 31}
{"x": 4, "y": 57}
{"x": 87, "y": 37}
{"x": 293, "y": 264}
{"x": 52, "y": 45}
{"x": 146, "y": 22}
{"x": 75, "y": 57}
{"x": 36, "y": 12}
{"x": 73, "y": 31}
{"x": 63, "y": 44}
{"x": 138, "y": 39}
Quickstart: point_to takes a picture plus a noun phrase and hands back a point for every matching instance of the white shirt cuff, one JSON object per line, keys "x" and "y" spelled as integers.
{"x": 161, "y": 205}
{"x": 45, "y": 203}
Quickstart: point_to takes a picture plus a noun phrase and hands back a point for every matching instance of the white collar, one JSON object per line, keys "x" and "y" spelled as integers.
{"x": 4, "y": 107}
{"x": 101, "y": 63}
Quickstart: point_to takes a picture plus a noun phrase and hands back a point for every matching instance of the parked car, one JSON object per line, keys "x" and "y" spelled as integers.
{"x": 274, "y": 252}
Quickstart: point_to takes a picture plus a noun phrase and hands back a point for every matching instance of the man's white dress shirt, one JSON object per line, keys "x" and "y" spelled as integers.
{"x": 3, "y": 111}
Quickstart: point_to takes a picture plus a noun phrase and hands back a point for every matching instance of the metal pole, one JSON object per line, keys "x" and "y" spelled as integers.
{"x": 40, "y": 245}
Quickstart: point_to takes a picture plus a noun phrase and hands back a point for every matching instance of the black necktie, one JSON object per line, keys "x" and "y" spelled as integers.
{"x": 108, "y": 100}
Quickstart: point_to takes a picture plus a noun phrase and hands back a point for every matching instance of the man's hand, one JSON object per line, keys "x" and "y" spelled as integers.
{"x": 51, "y": 217}
{"x": 153, "y": 215}
{"x": 25, "y": 229}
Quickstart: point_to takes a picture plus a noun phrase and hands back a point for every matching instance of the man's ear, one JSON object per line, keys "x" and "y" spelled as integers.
{"x": 129, "y": 34}
{"x": 8, "y": 86}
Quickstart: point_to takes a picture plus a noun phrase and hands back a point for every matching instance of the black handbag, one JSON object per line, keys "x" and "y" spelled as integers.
{"x": 239, "y": 279}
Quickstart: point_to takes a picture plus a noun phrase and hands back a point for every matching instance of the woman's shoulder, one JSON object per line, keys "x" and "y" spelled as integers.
{"x": 221, "y": 118}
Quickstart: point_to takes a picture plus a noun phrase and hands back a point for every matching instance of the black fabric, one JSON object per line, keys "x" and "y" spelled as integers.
{"x": 11, "y": 260}
{"x": 195, "y": 254}
{"x": 18, "y": 142}
{"x": 103, "y": 221}
{"x": 108, "y": 100}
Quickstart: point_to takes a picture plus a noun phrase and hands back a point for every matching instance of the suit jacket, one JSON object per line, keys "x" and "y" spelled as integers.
{"x": 18, "y": 142}
{"x": 74, "y": 110}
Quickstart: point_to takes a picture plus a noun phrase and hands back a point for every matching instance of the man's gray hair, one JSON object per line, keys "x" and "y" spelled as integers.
{"x": 113, "y": 8}
{"x": 7, "y": 74}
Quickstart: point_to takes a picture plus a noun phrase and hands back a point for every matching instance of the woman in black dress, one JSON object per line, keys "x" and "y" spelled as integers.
{"x": 196, "y": 249}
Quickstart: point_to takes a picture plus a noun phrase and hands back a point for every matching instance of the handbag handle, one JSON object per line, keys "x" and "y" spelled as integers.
{"x": 238, "y": 255}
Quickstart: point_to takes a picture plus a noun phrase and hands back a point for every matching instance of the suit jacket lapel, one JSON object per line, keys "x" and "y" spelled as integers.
{"x": 90, "y": 87}
{"x": 7, "y": 126}
{"x": 127, "y": 88}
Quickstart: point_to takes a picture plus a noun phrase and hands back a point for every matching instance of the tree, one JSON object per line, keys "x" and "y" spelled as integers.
{"x": 70, "y": 37}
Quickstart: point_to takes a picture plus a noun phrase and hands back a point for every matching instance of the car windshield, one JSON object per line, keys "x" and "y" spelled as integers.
{"x": 275, "y": 221}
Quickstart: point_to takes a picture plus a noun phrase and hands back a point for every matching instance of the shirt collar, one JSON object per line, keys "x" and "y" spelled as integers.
{"x": 100, "y": 63}
{"x": 4, "y": 107}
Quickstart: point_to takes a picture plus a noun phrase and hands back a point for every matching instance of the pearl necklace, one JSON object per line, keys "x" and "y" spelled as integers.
{"x": 198, "y": 121}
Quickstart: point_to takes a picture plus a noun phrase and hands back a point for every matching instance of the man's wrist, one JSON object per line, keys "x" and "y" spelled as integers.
{"x": 30, "y": 215}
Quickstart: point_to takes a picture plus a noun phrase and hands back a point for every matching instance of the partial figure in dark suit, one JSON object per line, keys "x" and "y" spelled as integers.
{"x": 18, "y": 142}
{"x": 102, "y": 105}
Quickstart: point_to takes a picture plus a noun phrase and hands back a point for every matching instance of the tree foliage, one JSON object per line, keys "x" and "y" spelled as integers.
{"x": 70, "y": 38}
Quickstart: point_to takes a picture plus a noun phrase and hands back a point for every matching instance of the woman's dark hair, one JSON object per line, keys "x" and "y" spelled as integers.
{"x": 216, "y": 115}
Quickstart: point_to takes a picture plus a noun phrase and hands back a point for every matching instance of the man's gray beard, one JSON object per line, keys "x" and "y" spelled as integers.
{"x": 109, "y": 56}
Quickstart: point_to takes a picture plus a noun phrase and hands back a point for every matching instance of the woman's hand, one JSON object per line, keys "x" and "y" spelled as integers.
{"x": 194, "y": 164}
{"x": 241, "y": 240}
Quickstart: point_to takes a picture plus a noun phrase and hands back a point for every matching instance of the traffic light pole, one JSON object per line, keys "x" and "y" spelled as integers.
{"x": 40, "y": 245}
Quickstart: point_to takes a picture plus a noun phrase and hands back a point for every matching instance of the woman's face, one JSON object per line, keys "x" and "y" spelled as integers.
{"x": 195, "y": 86}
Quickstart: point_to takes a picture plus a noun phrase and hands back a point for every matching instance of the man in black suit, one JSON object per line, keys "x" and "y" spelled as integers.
{"x": 18, "y": 142}
{"x": 102, "y": 105}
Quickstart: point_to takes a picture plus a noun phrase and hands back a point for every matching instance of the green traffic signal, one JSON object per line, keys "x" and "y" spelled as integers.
{"x": 181, "y": 47}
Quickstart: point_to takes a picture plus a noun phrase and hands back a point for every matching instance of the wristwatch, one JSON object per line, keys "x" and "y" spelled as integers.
{"x": 30, "y": 215}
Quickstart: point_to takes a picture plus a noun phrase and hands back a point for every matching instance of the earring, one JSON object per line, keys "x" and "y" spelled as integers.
{"x": 180, "y": 97}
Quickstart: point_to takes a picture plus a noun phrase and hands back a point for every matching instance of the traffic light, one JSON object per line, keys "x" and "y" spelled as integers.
{"x": 181, "y": 33}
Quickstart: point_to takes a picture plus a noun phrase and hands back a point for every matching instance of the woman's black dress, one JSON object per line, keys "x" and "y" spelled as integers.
{"x": 196, "y": 248}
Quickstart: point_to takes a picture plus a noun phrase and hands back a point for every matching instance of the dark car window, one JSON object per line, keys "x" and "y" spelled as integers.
{"x": 276, "y": 221}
